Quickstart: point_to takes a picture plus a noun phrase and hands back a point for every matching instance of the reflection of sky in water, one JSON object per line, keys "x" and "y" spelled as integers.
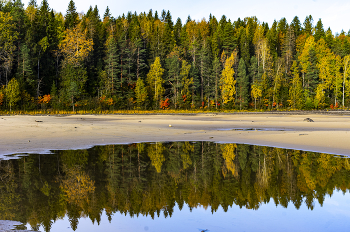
{"x": 333, "y": 216}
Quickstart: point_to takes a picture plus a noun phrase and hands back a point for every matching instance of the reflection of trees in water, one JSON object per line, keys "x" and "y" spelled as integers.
{"x": 9, "y": 198}
{"x": 149, "y": 179}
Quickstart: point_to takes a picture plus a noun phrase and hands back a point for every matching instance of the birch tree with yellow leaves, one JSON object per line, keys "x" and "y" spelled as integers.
{"x": 155, "y": 80}
{"x": 346, "y": 74}
{"x": 75, "y": 48}
{"x": 228, "y": 89}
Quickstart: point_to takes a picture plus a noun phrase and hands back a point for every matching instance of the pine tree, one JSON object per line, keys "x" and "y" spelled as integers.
{"x": 111, "y": 67}
{"x": 245, "y": 45}
{"x": 296, "y": 25}
{"x": 205, "y": 72}
{"x": 308, "y": 25}
{"x": 289, "y": 49}
{"x": 242, "y": 83}
{"x": 186, "y": 83}
{"x": 319, "y": 31}
{"x": 228, "y": 39}
{"x": 71, "y": 16}
{"x": 272, "y": 38}
{"x": 173, "y": 76}
{"x": 296, "y": 88}
{"x": 216, "y": 79}
{"x": 177, "y": 32}
{"x": 25, "y": 70}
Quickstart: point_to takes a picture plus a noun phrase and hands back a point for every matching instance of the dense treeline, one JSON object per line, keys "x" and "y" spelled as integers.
{"x": 151, "y": 179}
{"x": 149, "y": 61}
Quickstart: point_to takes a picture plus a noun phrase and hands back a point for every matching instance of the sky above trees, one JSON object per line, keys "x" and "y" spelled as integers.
{"x": 334, "y": 13}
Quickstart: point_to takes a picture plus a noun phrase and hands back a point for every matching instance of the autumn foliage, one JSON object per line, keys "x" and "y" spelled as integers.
{"x": 106, "y": 101}
{"x": 164, "y": 104}
{"x": 136, "y": 60}
{"x": 77, "y": 186}
{"x": 44, "y": 99}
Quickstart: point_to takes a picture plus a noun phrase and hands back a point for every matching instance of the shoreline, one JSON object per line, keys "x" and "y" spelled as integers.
{"x": 24, "y": 134}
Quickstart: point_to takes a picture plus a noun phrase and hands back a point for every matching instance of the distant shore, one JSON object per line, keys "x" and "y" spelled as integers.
{"x": 40, "y": 134}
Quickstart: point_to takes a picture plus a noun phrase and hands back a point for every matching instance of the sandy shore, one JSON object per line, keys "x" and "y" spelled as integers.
{"x": 40, "y": 134}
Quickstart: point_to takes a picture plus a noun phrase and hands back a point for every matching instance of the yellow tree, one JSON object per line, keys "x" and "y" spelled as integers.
{"x": 305, "y": 56}
{"x": 77, "y": 186}
{"x": 193, "y": 33}
{"x": 346, "y": 74}
{"x": 263, "y": 54}
{"x": 256, "y": 92}
{"x": 7, "y": 37}
{"x": 187, "y": 149}
{"x": 12, "y": 92}
{"x": 228, "y": 153}
{"x": 155, "y": 80}
{"x": 260, "y": 45}
{"x": 155, "y": 153}
{"x": 329, "y": 66}
{"x": 75, "y": 48}
{"x": 228, "y": 81}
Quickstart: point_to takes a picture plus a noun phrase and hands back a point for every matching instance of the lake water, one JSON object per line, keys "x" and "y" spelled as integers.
{"x": 177, "y": 186}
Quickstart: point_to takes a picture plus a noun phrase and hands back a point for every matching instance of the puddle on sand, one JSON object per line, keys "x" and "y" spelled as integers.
{"x": 253, "y": 129}
{"x": 177, "y": 186}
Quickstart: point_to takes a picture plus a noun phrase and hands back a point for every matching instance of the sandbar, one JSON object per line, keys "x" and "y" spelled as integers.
{"x": 22, "y": 134}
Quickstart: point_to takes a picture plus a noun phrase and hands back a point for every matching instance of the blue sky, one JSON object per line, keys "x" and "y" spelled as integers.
{"x": 334, "y": 14}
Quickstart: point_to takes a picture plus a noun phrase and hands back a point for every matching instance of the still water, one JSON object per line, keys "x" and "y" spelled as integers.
{"x": 177, "y": 186}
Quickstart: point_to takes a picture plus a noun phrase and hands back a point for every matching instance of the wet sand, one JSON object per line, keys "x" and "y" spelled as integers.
{"x": 40, "y": 134}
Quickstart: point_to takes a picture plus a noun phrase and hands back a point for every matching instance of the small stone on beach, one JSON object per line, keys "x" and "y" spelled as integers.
{"x": 308, "y": 120}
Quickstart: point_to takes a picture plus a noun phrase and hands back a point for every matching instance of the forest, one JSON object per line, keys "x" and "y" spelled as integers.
{"x": 153, "y": 179}
{"x": 147, "y": 61}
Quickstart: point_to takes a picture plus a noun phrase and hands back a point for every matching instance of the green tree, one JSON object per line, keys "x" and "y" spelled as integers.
{"x": 319, "y": 31}
{"x": 71, "y": 16}
{"x": 242, "y": 86}
{"x": 112, "y": 68}
{"x": 173, "y": 75}
{"x": 308, "y": 25}
{"x": 296, "y": 88}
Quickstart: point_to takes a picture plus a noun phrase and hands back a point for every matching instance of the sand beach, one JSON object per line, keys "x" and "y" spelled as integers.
{"x": 328, "y": 133}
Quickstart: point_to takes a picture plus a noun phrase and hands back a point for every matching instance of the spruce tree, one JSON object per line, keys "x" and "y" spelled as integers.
{"x": 242, "y": 86}
{"x": 296, "y": 25}
{"x": 25, "y": 71}
{"x": 205, "y": 73}
{"x": 173, "y": 77}
{"x": 216, "y": 79}
{"x": 71, "y": 15}
{"x": 308, "y": 25}
{"x": 244, "y": 48}
{"x": 319, "y": 31}
{"x": 112, "y": 69}
{"x": 228, "y": 38}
